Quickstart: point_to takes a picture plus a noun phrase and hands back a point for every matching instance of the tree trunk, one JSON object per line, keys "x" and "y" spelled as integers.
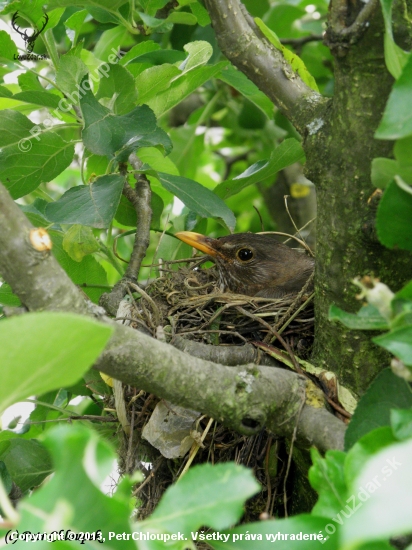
{"x": 339, "y": 159}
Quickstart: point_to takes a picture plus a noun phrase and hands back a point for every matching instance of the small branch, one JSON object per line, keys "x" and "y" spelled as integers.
{"x": 339, "y": 36}
{"x": 140, "y": 198}
{"x": 246, "y": 47}
{"x": 299, "y": 42}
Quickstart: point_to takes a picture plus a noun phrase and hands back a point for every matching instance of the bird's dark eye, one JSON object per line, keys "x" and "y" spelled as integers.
{"x": 244, "y": 254}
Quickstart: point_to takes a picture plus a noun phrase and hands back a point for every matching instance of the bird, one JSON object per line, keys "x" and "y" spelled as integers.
{"x": 254, "y": 264}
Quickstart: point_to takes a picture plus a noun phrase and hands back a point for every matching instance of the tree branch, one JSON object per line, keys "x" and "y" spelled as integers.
{"x": 246, "y": 47}
{"x": 33, "y": 274}
{"x": 341, "y": 34}
{"x": 140, "y": 198}
{"x": 245, "y": 398}
{"x": 224, "y": 355}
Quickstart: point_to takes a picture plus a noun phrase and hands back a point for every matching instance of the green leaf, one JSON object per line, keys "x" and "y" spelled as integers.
{"x": 327, "y": 478}
{"x": 365, "y": 448}
{"x": 93, "y": 205}
{"x": 43, "y": 361}
{"x": 79, "y": 241}
{"x": 154, "y": 80}
{"x": 5, "y": 478}
{"x": 181, "y": 18}
{"x": 29, "y": 82}
{"x": 107, "y": 134}
{"x": 199, "y": 53}
{"x": 87, "y": 272}
{"x": 242, "y": 84}
{"x": 398, "y": 342}
{"x": 152, "y": 6}
{"x": 54, "y": 18}
{"x": 154, "y": 56}
{"x": 395, "y": 57}
{"x": 154, "y": 158}
{"x": 80, "y": 456}
{"x": 401, "y": 422}
{"x": 386, "y": 392}
{"x": 45, "y": 155}
{"x": 155, "y": 23}
{"x": 140, "y": 50}
{"x": 69, "y": 74}
{"x": 393, "y": 219}
{"x": 120, "y": 86}
{"x": 109, "y": 39}
{"x": 197, "y": 198}
{"x": 397, "y": 117}
{"x": 7, "y": 298}
{"x": 288, "y": 152}
{"x": 110, "y": 5}
{"x": 206, "y": 495}
{"x": 75, "y": 21}
{"x": 8, "y": 48}
{"x": 384, "y": 171}
{"x": 27, "y": 462}
{"x": 367, "y": 318}
{"x": 5, "y": 92}
{"x": 292, "y": 58}
{"x": 401, "y": 305}
{"x": 182, "y": 86}
{"x": 386, "y": 478}
{"x": 45, "y": 99}
{"x": 126, "y": 214}
{"x": 202, "y": 15}
{"x": 402, "y": 151}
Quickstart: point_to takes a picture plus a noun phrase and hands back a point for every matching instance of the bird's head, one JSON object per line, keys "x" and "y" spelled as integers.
{"x": 253, "y": 264}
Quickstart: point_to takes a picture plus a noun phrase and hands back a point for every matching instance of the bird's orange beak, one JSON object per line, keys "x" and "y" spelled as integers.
{"x": 205, "y": 244}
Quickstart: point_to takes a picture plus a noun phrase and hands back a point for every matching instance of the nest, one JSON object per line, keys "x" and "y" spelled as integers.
{"x": 188, "y": 303}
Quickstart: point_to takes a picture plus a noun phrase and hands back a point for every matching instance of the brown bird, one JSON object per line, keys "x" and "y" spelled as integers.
{"x": 254, "y": 264}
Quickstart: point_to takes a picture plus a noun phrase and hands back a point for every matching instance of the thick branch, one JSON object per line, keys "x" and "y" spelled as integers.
{"x": 245, "y": 398}
{"x": 245, "y": 46}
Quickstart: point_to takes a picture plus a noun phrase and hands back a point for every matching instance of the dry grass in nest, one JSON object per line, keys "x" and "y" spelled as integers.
{"x": 188, "y": 303}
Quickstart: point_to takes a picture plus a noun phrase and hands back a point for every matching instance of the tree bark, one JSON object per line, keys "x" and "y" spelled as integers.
{"x": 339, "y": 160}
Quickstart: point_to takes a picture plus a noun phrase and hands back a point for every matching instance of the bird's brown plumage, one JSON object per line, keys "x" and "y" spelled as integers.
{"x": 254, "y": 264}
